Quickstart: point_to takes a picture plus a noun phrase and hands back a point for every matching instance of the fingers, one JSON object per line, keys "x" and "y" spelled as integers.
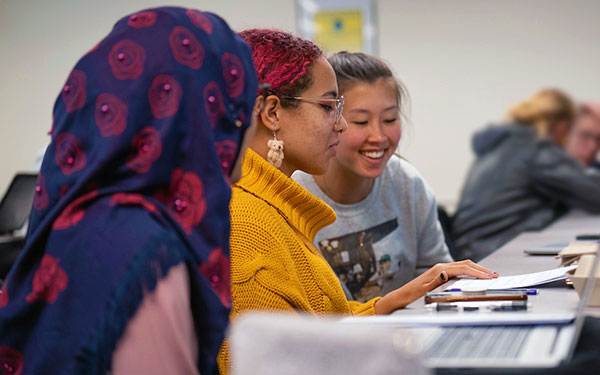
{"x": 466, "y": 268}
{"x": 476, "y": 266}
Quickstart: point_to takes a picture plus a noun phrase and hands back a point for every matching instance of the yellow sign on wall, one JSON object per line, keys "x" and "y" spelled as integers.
{"x": 339, "y": 30}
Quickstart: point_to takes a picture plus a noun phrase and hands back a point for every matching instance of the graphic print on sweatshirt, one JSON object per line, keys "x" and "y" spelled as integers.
{"x": 357, "y": 263}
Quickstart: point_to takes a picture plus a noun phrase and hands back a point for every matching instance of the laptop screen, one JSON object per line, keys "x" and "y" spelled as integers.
{"x": 16, "y": 203}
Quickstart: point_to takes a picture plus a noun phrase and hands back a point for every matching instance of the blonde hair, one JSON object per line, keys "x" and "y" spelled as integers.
{"x": 544, "y": 110}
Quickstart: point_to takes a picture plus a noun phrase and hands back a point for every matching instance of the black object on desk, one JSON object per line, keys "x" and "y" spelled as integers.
{"x": 587, "y": 237}
{"x": 512, "y": 306}
{"x": 14, "y": 212}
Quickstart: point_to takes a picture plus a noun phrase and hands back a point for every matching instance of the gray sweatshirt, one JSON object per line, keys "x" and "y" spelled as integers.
{"x": 519, "y": 182}
{"x": 384, "y": 241}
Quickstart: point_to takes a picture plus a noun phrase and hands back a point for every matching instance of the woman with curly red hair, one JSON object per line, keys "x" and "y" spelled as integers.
{"x": 274, "y": 220}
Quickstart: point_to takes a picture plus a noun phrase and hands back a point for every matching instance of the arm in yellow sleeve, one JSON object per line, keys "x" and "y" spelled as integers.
{"x": 363, "y": 309}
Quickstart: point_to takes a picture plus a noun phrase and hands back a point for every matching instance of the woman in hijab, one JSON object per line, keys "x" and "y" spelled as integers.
{"x": 126, "y": 265}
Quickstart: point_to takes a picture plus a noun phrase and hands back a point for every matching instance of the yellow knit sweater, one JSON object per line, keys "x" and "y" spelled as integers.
{"x": 274, "y": 265}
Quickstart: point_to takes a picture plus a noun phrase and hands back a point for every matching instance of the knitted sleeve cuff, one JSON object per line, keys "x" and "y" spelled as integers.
{"x": 362, "y": 309}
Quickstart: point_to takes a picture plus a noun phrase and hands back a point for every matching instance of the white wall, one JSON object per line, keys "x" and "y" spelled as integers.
{"x": 464, "y": 62}
{"x": 41, "y": 40}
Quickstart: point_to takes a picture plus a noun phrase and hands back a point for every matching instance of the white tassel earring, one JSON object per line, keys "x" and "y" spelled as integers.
{"x": 275, "y": 154}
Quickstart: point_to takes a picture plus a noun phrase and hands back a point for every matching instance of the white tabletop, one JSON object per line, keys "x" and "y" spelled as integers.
{"x": 511, "y": 260}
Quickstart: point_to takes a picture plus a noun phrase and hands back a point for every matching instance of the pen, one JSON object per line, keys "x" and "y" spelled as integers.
{"x": 528, "y": 291}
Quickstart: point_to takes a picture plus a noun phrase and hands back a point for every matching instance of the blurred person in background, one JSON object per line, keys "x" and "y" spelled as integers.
{"x": 583, "y": 142}
{"x": 522, "y": 178}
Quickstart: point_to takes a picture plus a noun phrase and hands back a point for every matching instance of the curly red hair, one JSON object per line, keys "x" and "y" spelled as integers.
{"x": 281, "y": 59}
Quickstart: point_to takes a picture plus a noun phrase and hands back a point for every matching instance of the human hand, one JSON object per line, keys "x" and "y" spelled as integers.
{"x": 429, "y": 280}
{"x": 442, "y": 272}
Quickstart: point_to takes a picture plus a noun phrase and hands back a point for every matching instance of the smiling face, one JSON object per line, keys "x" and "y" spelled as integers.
{"x": 374, "y": 130}
{"x": 309, "y": 131}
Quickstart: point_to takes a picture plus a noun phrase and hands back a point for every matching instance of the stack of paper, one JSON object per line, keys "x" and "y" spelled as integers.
{"x": 517, "y": 281}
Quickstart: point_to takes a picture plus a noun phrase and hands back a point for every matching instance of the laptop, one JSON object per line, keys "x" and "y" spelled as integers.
{"x": 495, "y": 341}
{"x": 555, "y": 248}
{"x": 534, "y": 345}
{"x": 548, "y": 249}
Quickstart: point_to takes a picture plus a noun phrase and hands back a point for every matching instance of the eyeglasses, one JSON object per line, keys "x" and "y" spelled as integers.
{"x": 338, "y": 104}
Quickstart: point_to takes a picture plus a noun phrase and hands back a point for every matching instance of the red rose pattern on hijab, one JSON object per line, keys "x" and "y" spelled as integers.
{"x": 49, "y": 280}
{"x": 187, "y": 50}
{"x": 132, "y": 199}
{"x": 227, "y": 151}
{"x": 74, "y": 91}
{"x": 127, "y": 59}
{"x": 40, "y": 199}
{"x": 74, "y": 212}
{"x": 216, "y": 270}
{"x": 147, "y": 147}
{"x": 164, "y": 96}
{"x": 233, "y": 72}
{"x": 69, "y": 155}
{"x": 3, "y": 296}
{"x": 110, "y": 115}
{"x": 11, "y": 361}
{"x": 185, "y": 199}
{"x": 199, "y": 20}
{"x": 142, "y": 19}
{"x": 213, "y": 102}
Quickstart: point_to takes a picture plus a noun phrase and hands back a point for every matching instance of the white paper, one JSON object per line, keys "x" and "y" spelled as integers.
{"x": 517, "y": 281}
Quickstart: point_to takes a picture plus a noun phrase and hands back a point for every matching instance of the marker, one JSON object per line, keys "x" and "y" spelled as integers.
{"x": 452, "y": 306}
{"x": 446, "y": 306}
{"x": 514, "y": 306}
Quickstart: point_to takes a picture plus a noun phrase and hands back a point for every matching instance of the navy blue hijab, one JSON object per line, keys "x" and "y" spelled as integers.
{"x": 145, "y": 131}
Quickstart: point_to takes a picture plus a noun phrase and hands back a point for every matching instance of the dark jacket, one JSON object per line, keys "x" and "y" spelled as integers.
{"x": 519, "y": 182}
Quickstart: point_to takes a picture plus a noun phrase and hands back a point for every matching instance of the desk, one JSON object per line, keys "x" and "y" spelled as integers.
{"x": 511, "y": 260}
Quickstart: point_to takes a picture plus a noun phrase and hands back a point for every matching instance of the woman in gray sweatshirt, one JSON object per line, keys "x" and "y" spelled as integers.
{"x": 387, "y": 230}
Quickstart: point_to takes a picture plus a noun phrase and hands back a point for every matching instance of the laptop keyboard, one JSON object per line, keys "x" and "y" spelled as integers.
{"x": 479, "y": 342}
